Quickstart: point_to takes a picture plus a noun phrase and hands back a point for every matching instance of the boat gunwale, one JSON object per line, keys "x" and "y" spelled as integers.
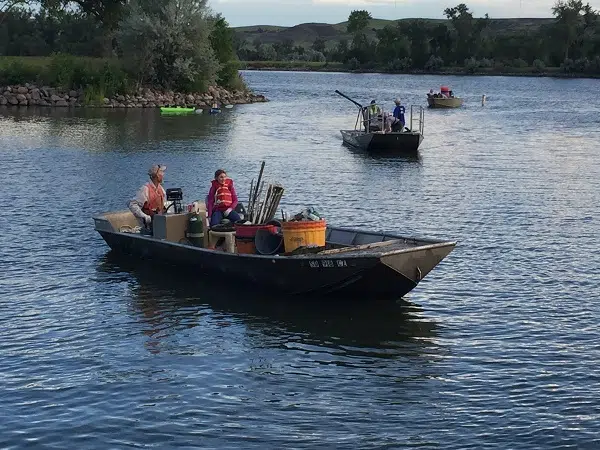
{"x": 431, "y": 244}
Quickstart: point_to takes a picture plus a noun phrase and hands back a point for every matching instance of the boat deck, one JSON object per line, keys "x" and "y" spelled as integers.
{"x": 378, "y": 248}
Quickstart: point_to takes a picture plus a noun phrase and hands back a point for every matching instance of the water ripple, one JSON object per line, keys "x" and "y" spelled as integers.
{"x": 495, "y": 349}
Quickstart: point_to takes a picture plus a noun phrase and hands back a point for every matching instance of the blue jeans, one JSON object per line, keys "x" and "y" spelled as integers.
{"x": 217, "y": 216}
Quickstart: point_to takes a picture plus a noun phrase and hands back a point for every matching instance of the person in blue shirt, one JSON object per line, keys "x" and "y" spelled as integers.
{"x": 399, "y": 122}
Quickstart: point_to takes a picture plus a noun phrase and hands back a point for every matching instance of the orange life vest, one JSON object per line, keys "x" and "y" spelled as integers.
{"x": 156, "y": 200}
{"x": 223, "y": 198}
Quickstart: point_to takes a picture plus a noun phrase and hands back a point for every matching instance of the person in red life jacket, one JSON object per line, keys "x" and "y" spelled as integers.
{"x": 222, "y": 199}
{"x": 150, "y": 198}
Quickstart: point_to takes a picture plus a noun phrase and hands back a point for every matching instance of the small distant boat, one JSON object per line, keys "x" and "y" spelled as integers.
{"x": 441, "y": 102}
{"x": 176, "y": 110}
{"x": 366, "y": 136}
{"x": 444, "y": 99}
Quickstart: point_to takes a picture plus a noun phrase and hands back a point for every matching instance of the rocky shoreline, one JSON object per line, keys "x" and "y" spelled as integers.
{"x": 32, "y": 95}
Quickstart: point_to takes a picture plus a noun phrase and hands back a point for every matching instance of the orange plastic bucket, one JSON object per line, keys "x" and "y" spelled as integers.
{"x": 245, "y": 245}
{"x": 303, "y": 233}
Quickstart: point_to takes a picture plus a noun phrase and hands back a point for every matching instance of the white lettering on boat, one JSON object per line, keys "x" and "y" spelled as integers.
{"x": 327, "y": 263}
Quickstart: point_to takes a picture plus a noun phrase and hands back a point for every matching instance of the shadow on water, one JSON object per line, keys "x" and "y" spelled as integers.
{"x": 169, "y": 299}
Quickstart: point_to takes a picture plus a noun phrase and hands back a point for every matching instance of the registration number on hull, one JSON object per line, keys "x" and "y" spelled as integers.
{"x": 327, "y": 263}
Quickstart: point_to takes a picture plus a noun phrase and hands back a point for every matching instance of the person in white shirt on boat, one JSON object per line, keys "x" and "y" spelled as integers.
{"x": 150, "y": 198}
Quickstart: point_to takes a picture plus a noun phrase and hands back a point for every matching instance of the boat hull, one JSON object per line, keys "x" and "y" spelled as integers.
{"x": 405, "y": 142}
{"x": 438, "y": 102}
{"x": 345, "y": 272}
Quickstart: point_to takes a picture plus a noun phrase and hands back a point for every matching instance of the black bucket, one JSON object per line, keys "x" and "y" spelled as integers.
{"x": 268, "y": 243}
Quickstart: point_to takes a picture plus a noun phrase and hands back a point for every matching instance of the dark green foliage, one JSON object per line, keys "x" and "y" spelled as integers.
{"x": 103, "y": 77}
{"x": 462, "y": 42}
{"x": 358, "y": 21}
{"x": 167, "y": 43}
{"x": 222, "y": 43}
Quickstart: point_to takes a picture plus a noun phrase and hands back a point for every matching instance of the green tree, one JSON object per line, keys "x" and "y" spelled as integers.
{"x": 318, "y": 45}
{"x": 419, "y": 42}
{"x": 392, "y": 44}
{"x": 468, "y": 31}
{"x": 167, "y": 43}
{"x": 107, "y": 13}
{"x": 568, "y": 21}
{"x": 358, "y": 21}
{"x": 7, "y": 5}
{"x": 576, "y": 29}
{"x": 222, "y": 42}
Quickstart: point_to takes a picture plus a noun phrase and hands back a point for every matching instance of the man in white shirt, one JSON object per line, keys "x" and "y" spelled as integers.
{"x": 150, "y": 198}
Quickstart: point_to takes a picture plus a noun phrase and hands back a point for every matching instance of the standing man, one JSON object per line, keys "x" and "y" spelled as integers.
{"x": 150, "y": 198}
{"x": 399, "y": 121}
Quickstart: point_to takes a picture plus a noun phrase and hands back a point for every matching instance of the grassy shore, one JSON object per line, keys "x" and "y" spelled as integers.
{"x": 95, "y": 77}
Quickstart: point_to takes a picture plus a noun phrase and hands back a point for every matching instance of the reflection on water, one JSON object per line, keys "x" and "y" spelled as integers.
{"x": 126, "y": 356}
{"x": 107, "y": 128}
{"x": 167, "y": 301}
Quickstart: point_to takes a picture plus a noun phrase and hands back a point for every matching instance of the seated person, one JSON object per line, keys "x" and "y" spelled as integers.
{"x": 399, "y": 121}
{"x": 222, "y": 200}
{"x": 150, "y": 198}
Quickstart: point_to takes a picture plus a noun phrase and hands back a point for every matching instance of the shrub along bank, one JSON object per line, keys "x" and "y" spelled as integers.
{"x": 66, "y": 80}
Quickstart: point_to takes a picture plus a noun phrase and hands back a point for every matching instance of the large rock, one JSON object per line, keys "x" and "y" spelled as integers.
{"x": 3, "y": 100}
{"x": 12, "y": 100}
{"x": 73, "y": 93}
{"x": 22, "y": 90}
{"x": 21, "y": 97}
{"x": 54, "y": 98}
{"x": 61, "y": 102}
{"x": 35, "y": 94}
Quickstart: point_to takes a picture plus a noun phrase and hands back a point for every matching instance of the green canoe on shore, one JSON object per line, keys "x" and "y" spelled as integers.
{"x": 171, "y": 109}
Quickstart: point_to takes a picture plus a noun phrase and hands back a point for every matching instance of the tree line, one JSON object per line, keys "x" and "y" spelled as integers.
{"x": 174, "y": 44}
{"x": 571, "y": 41}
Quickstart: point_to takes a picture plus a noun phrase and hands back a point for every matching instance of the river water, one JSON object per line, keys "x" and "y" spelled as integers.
{"x": 497, "y": 348}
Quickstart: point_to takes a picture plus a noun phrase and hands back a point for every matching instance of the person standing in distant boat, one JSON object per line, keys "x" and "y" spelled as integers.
{"x": 399, "y": 121}
{"x": 374, "y": 111}
{"x": 150, "y": 198}
{"x": 222, "y": 199}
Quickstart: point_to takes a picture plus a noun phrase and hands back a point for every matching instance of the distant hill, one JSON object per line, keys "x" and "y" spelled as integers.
{"x": 306, "y": 33}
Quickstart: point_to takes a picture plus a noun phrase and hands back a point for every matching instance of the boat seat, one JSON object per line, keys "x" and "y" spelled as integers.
{"x": 122, "y": 219}
{"x": 229, "y": 237}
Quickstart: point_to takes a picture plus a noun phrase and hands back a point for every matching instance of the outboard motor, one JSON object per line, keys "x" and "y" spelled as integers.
{"x": 175, "y": 195}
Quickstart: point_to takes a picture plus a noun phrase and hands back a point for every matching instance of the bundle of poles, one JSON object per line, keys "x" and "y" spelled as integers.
{"x": 263, "y": 204}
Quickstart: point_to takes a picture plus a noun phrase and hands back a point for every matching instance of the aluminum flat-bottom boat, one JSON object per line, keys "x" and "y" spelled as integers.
{"x": 402, "y": 142}
{"x": 444, "y": 102}
{"x": 353, "y": 263}
{"x": 370, "y": 133}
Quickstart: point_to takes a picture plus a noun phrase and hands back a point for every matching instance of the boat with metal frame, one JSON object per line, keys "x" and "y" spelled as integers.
{"x": 370, "y": 134}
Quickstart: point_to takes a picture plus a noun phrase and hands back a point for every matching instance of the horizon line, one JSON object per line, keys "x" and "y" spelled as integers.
{"x": 386, "y": 20}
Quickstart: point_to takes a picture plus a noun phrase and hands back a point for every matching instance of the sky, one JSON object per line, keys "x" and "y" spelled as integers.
{"x": 293, "y": 12}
